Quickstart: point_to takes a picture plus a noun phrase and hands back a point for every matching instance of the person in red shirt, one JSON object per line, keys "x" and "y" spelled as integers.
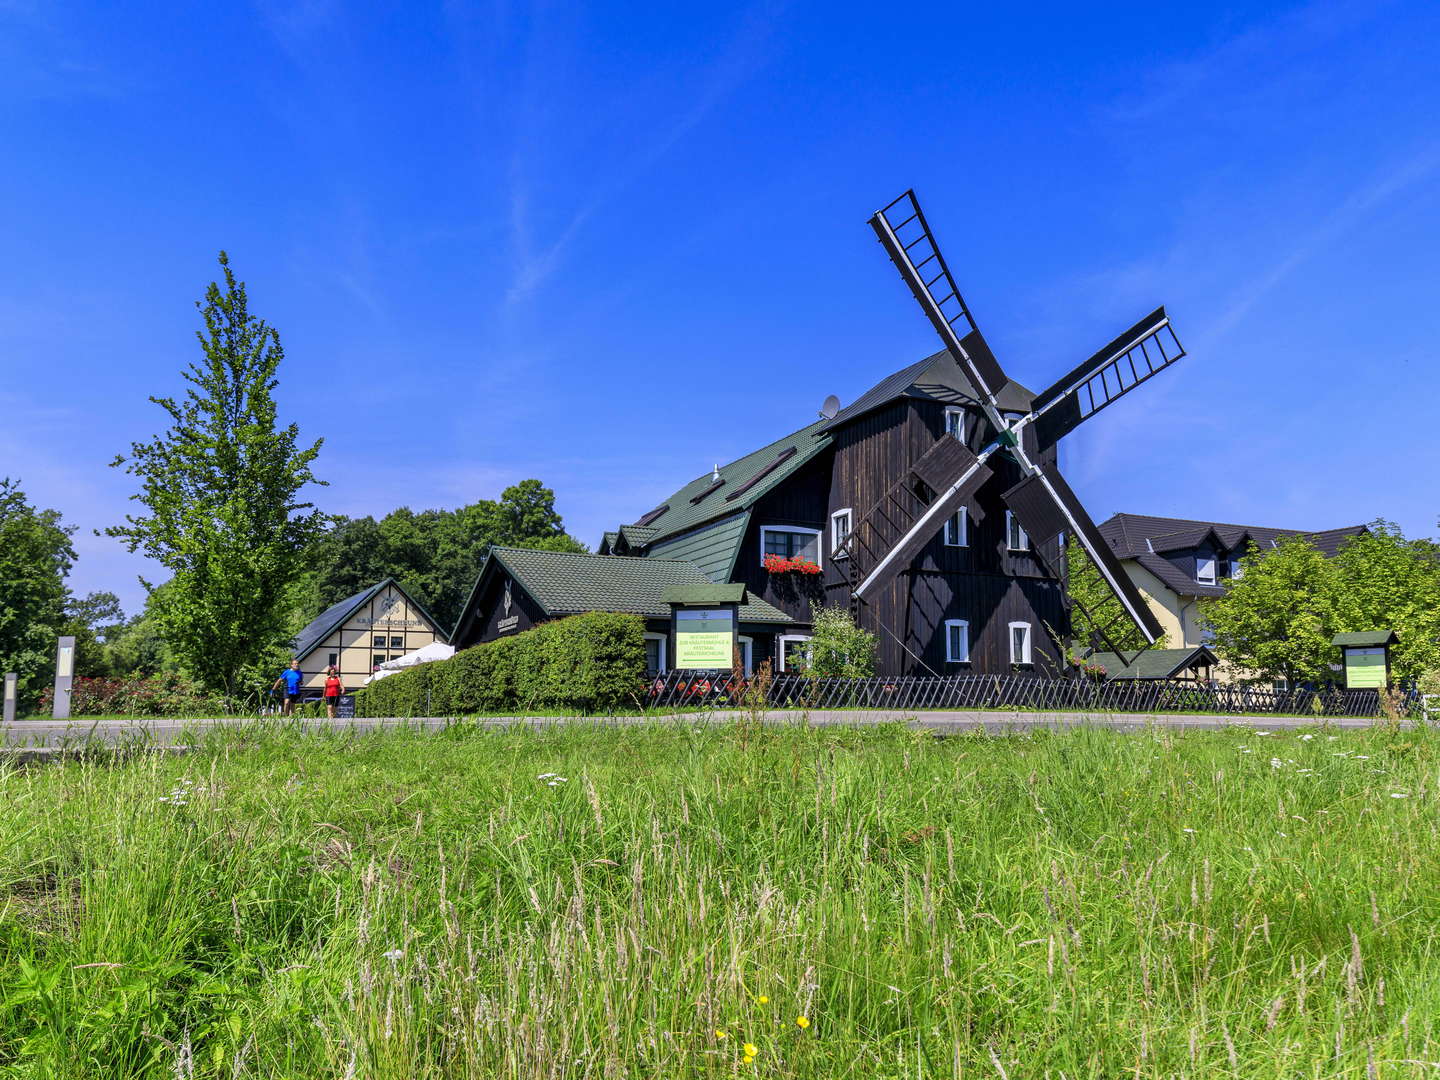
{"x": 333, "y": 689}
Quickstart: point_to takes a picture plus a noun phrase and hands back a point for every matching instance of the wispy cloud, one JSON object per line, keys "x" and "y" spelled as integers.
{"x": 535, "y": 262}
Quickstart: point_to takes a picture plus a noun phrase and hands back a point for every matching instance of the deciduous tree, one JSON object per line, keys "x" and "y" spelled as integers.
{"x": 221, "y": 491}
{"x": 35, "y": 556}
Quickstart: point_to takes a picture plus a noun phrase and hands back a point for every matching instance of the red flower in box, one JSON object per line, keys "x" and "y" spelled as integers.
{"x": 779, "y": 564}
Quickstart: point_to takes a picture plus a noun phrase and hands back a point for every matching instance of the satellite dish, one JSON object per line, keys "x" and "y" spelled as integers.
{"x": 830, "y": 408}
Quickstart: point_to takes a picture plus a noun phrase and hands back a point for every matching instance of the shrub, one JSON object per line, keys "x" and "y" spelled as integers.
{"x": 586, "y": 662}
{"x": 165, "y": 694}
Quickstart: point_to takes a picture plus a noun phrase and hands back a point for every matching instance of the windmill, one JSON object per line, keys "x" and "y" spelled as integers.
{"x": 891, "y": 533}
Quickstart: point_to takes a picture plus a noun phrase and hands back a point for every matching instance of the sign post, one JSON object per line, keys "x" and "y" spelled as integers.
{"x": 704, "y": 639}
{"x": 10, "y": 685}
{"x": 64, "y": 677}
{"x": 1366, "y": 657}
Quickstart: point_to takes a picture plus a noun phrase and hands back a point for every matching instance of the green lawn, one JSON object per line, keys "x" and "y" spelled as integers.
{"x": 396, "y": 905}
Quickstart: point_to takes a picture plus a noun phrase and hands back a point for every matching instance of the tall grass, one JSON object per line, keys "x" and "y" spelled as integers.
{"x": 398, "y": 905}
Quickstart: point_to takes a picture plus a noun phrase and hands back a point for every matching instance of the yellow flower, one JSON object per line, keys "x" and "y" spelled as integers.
{"x": 751, "y": 1050}
{"x": 763, "y": 1000}
{"x": 802, "y": 1021}
{"x": 748, "y": 1059}
{"x": 721, "y": 1034}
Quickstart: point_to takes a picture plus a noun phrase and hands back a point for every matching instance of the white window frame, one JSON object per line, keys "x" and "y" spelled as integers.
{"x": 964, "y": 625}
{"x": 1029, "y": 652}
{"x": 1214, "y": 569}
{"x": 959, "y": 429}
{"x": 746, "y": 645}
{"x": 1236, "y": 570}
{"x": 949, "y": 533}
{"x": 664, "y": 640}
{"x": 1012, "y": 527}
{"x": 780, "y": 642}
{"x": 819, "y": 540}
{"x": 848, "y": 514}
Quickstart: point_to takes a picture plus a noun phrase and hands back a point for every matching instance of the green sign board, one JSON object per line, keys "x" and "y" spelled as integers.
{"x": 1364, "y": 668}
{"x": 704, "y": 638}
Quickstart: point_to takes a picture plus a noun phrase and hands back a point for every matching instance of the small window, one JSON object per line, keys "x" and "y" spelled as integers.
{"x": 957, "y": 529}
{"x": 955, "y": 423}
{"x": 790, "y": 543}
{"x": 839, "y": 532}
{"x": 379, "y": 641}
{"x": 1236, "y": 570}
{"x": 397, "y": 643}
{"x": 655, "y": 654}
{"x": 332, "y": 659}
{"x": 957, "y": 641}
{"x": 377, "y": 659}
{"x": 747, "y": 654}
{"x": 794, "y": 652}
{"x": 1020, "y": 643}
{"x": 1205, "y": 569}
{"x": 1015, "y": 537}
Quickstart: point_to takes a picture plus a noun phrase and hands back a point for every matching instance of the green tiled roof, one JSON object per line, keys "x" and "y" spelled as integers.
{"x": 684, "y": 515}
{"x": 1366, "y": 637}
{"x": 564, "y": 583}
{"x": 713, "y": 548}
{"x": 1152, "y": 663}
{"x": 704, "y": 594}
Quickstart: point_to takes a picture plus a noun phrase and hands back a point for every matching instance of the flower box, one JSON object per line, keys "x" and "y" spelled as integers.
{"x": 779, "y": 564}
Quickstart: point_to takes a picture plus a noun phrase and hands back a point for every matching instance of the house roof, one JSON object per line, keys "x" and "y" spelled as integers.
{"x": 745, "y": 480}
{"x": 936, "y": 378}
{"x": 565, "y": 583}
{"x": 335, "y": 616}
{"x": 1174, "y": 578}
{"x": 1128, "y": 534}
{"x": 1152, "y": 663}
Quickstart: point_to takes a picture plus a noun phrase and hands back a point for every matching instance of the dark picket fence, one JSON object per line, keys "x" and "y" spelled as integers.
{"x": 679, "y": 689}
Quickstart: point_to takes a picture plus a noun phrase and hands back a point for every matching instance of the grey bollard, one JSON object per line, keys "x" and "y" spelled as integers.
{"x": 10, "y": 680}
{"x": 64, "y": 677}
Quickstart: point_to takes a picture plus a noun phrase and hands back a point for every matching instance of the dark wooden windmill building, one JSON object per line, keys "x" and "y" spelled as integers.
{"x": 931, "y": 506}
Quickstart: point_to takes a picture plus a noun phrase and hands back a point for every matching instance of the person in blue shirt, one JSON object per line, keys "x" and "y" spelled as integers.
{"x": 291, "y": 677}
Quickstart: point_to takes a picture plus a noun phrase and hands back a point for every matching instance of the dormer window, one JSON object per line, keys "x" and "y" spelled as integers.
{"x": 955, "y": 422}
{"x": 1236, "y": 570}
{"x": 1205, "y": 569}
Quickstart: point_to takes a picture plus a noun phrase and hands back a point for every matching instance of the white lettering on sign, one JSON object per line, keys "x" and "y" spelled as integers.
{"x": 415, "y": 624}
{"x": 504, "y": 626}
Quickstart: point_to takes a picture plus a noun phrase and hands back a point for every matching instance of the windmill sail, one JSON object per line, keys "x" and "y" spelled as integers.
{"x": 906, "y": 235}
{"x": 1139, "y": 354}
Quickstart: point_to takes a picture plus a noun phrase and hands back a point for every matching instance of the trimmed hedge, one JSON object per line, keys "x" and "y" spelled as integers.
{"x": 586, "y": 662}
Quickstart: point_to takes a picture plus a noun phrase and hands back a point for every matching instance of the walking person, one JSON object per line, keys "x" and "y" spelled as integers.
{"x": 291, "y": 678}
{"x": 333, "y": 689}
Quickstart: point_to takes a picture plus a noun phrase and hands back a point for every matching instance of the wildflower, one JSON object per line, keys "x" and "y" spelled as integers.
{"x": 1306, "y": 737}
{"x": 1362, "y": 757}
{"x": 1189, "y": 830}
{"x": 763, "y": 1000}
{"x": 751, "y": 1050}
{"x": 394, "y": 954}
{"x": 1276, "y": 763}
{"x": 1263, "y": 733}
{"x": 721, "y": 1034}
{"x": 1399, "y": 795}
{"x": 802, "y": 1021}
{"x": 748, "y": 1059}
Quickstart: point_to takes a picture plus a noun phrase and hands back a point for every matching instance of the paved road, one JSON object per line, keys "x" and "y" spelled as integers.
{"x": 60, "y": 733}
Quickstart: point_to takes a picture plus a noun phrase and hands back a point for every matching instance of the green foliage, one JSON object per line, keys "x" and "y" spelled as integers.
{"x": 1086, "y": 586}
{"x": 35, "y": 556}
{"x": 401, "y": 906}
{"x": 91, "y": 620}
{"x": 585, "y": 663}
{"x": 1279, "y": 619}
{"x": 839, "y": 647}
{"x": 436, "y": 555}
{"x": 221, "y": 489}
{"x": 167, "y": 694}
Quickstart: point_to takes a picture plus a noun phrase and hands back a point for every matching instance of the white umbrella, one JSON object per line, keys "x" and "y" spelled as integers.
{"x": 427, "y": 654}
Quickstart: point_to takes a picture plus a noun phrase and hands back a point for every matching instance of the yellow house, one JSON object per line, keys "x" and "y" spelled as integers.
{"x": 361, "y": 632}
{"x": 1178, "y": 564}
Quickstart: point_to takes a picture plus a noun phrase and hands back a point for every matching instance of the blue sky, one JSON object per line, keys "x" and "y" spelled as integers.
{"x": 608, "y": 246}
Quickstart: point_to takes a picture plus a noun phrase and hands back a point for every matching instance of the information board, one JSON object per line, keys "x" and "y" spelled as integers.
{"x": 1364, "y": 668}
{"x": 704, "y": 638}
{"x": 345, "y": 707}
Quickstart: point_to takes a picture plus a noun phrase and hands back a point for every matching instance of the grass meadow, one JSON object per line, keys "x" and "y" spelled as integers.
{"x": 721, "y": 901}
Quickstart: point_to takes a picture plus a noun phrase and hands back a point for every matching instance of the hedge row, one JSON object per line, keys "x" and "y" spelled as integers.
{"x": 586, "y": 662}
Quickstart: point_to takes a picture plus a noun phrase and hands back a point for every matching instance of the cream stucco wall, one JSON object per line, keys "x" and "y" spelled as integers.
{"x": 1180, "y": 617}
{"x": 389, "y": 616}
